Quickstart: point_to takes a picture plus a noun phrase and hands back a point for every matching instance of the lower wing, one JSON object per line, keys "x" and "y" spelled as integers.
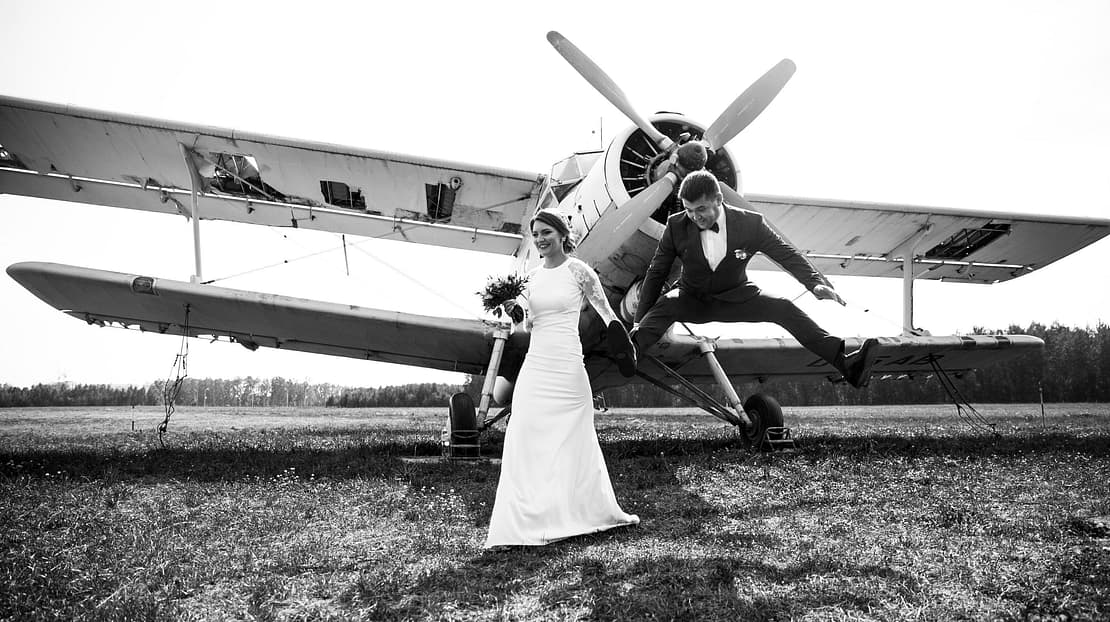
{"x": 762, "y": 359}
{"x": 255, "y": 319}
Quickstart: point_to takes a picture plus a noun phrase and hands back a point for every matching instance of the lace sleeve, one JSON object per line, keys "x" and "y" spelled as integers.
{"x": 591, "y": 288}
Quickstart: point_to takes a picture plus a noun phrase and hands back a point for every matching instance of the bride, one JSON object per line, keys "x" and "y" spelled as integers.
{"x": 554, "y": 483}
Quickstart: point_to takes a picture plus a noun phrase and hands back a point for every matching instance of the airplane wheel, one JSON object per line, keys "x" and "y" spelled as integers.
{"x": 464, "y": 425}
{"x": 765, "y": 412}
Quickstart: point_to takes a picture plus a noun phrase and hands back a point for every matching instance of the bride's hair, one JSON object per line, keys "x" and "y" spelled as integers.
{"x": 559, "y": 222}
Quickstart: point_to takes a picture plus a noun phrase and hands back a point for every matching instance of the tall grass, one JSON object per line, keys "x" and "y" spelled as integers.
{"x": 893, "y": 513}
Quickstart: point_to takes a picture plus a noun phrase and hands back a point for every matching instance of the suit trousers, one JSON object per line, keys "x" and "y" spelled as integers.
{"x": 677, "y": 306}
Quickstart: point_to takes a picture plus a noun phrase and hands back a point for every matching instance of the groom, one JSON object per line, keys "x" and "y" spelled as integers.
{"x": 715, "y": 242}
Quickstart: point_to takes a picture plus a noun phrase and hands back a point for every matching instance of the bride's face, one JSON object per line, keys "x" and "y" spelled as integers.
{"x": 548, "y": 241}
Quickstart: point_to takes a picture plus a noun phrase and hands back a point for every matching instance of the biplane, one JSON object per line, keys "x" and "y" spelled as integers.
{"x": 616, "y": 198}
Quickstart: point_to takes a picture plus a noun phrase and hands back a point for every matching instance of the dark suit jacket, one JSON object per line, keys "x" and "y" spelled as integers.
{"x": 748, "y": 234}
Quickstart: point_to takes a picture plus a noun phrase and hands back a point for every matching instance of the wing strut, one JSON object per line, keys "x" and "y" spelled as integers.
{"x": 195, "y": 185}
{"x": 908, "y": 248}
{"x": 907, "y": 294}
{"x": 499, "y": 339}
{"x": 700, "y": 398}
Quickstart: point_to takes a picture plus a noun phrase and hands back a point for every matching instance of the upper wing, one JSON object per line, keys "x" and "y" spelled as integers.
{"x": 255, "y": 319}
{"x": 760, "y": 359}
{"x": 870, "y": 239}
{"x": 104, "y": 158}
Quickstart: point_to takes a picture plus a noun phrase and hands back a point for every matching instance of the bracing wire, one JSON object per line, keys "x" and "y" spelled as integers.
{"x": 396, "y": 230}
{"x": 964, "y": 410}
{"x": 344, "y": 245}
{"x": 871, "y": 314}
{"x": 172, "y": 387}
{"x": 358, "y": 247}
{"x": 857, "y": 308}
{"x": 268, "y": 266}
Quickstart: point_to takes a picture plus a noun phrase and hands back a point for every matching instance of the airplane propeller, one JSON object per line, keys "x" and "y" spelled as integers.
{"x": 634, "y": 212}
{"x": 745, "y": 108}
{"x": 606, "y": 86}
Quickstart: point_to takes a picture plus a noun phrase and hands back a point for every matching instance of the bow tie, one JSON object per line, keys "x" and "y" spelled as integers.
{"x": 715, "y": 228}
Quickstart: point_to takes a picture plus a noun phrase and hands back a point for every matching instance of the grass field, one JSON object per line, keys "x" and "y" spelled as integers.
{"x": 889, "y": 513}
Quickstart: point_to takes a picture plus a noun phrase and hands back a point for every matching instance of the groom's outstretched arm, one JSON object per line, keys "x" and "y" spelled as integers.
{"x": 785, "y": 255}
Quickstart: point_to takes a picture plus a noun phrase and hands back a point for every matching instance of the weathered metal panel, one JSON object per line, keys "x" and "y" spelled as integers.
{"x": 214, "y": 207}
{"x": 876, "y": 234}
{"x": 49, "y": 138}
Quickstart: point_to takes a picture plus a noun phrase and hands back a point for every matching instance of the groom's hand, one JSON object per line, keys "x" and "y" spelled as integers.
{"x": 824, "y": 292}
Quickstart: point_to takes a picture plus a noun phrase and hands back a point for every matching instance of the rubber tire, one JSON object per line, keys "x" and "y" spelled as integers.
{"x": 765, "y": 412}
{"x": 464, "y": 422}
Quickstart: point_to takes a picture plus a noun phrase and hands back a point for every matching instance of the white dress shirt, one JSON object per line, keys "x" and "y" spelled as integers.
{"x": 715, "y": 243}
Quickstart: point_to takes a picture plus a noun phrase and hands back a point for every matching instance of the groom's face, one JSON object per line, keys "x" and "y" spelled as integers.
{"x": 704, "y": 211}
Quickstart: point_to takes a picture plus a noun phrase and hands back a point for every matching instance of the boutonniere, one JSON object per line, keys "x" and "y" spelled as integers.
{"x": 740, "y": 254}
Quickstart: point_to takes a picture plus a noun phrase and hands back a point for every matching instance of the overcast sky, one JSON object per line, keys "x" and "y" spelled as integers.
{"x": 985, "y": 105}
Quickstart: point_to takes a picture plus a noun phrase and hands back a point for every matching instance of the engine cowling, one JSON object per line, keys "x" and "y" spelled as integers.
{"x": 616, "y": 175}
{"x": 623, "y": 171}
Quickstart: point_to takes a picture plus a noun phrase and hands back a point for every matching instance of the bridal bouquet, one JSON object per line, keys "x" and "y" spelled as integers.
{"x": 500, "y": 290}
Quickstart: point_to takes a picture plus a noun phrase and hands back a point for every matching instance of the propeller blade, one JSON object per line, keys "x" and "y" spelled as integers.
{"x": 745, "y": 108}
{"x": 605, "y": 85}
{"x": 609, "y": 233}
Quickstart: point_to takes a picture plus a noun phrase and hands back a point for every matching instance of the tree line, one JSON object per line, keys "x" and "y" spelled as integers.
{"x": 1073, "y": 367}
{"x": 68, "y": 394}
{"x": 423, "y": 394}
{"x": 249, "y": 391}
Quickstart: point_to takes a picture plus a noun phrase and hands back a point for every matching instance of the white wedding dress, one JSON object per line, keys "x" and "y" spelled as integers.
{"x": 554, "y": 483}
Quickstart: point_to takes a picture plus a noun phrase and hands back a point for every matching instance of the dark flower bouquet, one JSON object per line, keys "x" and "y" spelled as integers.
{"x": 500, "y": 290}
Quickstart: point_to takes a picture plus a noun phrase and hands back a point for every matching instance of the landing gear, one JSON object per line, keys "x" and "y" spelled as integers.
{"x": 462, "y": 428}
{"x": 460, "y": 438}
{"x": 767, "y": 431}
{"x": 759, "y": 418}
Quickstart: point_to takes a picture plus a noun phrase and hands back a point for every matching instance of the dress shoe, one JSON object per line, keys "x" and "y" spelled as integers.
{"x": 856, "y": 366}
{"x": 621, "y": 348}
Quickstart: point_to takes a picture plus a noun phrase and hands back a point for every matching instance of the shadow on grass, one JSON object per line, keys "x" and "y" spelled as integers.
{"x": 662, "y": 586}
{"x": 562, "y": 579}
{"x": 340, "y": 454}
{"x": 718, "y": 588}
